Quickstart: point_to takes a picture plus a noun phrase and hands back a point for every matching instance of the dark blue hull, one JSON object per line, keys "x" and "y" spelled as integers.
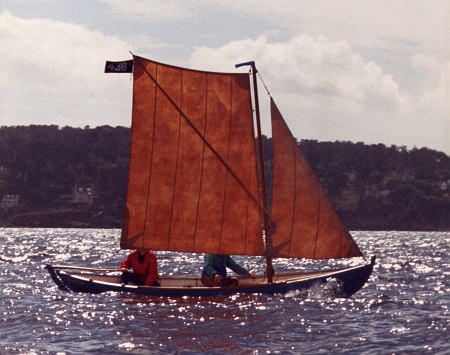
{"x": 350, "y": 280}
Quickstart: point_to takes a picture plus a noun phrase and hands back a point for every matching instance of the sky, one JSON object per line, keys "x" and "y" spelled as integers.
{"x": 345, "y": 70}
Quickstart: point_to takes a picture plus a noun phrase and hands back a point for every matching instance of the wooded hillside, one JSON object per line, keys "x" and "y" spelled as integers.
{"x": 372, "y": 186}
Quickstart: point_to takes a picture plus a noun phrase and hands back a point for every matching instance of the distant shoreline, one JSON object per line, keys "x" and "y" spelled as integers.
{"x": 46, "y": 172}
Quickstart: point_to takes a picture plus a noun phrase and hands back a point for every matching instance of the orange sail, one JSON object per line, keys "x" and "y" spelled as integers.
{"x": 192, "y": 184}
{"x": 305, "y": 224}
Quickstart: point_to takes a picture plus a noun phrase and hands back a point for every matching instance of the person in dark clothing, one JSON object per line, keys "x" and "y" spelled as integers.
{"x": 215, "y": 271}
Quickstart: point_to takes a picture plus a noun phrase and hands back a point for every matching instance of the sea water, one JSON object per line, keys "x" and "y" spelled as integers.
{"x": 403, "y": 309}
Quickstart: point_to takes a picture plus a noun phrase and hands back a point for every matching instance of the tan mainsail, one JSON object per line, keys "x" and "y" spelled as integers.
{"x": 193, "y": 184}
{"x": 303, "y": 219}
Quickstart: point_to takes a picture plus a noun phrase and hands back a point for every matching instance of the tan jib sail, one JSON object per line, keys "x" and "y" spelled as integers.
{"x": 193, "y": 183}
{"x": 305, "y": 224}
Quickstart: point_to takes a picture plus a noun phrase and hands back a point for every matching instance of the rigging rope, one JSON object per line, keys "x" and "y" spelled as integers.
{"x": 264, "y": 84}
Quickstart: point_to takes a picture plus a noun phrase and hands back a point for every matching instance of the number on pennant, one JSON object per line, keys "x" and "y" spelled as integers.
{"x": 119, "y": 67}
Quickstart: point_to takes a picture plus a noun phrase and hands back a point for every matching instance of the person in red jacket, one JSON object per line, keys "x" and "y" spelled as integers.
{"x": 144, "y": 266}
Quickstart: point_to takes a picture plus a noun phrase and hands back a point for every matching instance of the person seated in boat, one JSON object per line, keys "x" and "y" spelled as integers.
{"x": 215, "y": 271}
{"x": 144, "y": 268}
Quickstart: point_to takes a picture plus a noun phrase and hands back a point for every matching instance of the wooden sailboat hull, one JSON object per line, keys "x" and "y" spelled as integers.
{"x": 347, "y": 281}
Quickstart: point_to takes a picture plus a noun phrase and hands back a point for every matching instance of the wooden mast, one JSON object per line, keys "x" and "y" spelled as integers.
{"x": 262, "y": 175}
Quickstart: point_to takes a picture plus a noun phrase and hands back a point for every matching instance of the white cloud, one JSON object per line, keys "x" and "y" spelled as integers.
{"x": 315, "y": 68}
{"x": 373, "y": 23}
{"x": 326, "y": 91}
{"x": 433, "y": 107}
{"x": 52, "y": 73}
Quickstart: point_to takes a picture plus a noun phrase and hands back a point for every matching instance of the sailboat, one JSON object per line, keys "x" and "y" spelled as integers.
{"x": 197, "y": 184}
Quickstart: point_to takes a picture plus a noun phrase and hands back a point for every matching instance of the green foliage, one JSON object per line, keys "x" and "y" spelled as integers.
{"x": 43, "y": 163}
{"x": 372, "y": 186}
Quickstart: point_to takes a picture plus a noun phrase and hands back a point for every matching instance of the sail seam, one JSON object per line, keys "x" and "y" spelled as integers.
{"x": 205, "y": 121}
{"x": 151, "y": 154}
{"x": 294, "y": 143}
{"x": 176, "y": 165}
{"x": 318, "y": 219}
{"x": 228, "y": 157}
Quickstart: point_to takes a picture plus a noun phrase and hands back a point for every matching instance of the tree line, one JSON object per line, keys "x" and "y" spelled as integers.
{"x": 373, "y": 187}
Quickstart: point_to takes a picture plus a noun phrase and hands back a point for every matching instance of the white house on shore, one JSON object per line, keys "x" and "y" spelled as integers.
{"x": 9, "y": 201}
{"x": 83, "y": 195}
